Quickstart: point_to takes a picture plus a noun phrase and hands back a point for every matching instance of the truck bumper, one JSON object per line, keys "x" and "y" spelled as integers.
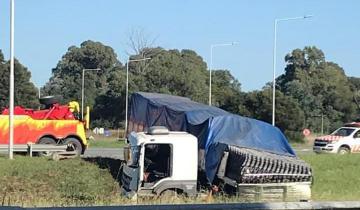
{"x": 325, "y": 149}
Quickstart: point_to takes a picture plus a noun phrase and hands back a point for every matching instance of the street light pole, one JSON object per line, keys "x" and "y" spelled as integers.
{"x": 11, "y": 97}
{"x": 211, "y": 62}
{"x": 127, "y": 90}
{"x": 82, "y": 90}
{"x": 274, "y": 59}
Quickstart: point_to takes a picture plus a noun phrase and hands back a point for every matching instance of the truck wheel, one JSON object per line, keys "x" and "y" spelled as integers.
{"x": 46, "y": 140}
{"x": 169, "y": 195}
{"x": 48, "y": 100}
{"x": 74, "y": 145}
{"x": 343, "y": 150}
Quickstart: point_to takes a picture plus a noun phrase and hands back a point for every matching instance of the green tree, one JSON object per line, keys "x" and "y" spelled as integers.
{"x": 109, "y": 108}
{"x": 25, "y": 92}
{"x": 226, "y": 92}
{"x": 289, "y": 116}
{"x": 66, "y": 77}
{"x": 319, "y": 86}
{"x": 175, "y": 72}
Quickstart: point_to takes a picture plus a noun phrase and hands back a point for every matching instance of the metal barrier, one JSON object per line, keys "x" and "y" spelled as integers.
{"x": 30, "y": 148}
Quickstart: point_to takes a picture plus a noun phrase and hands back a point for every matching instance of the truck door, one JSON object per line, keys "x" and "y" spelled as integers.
{"x": 157, "y": 163}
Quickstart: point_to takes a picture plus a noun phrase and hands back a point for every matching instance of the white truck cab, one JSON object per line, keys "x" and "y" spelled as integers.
{"x": 160, "y": 162}
{"x": 343, "y": 140}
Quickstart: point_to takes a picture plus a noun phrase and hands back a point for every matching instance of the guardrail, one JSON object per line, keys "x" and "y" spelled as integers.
{"x": 228, "y": 206}
{"x": 30, "y": 148}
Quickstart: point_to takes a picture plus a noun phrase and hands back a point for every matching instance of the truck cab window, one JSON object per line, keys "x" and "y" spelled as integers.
{"x": 156, "y": 162}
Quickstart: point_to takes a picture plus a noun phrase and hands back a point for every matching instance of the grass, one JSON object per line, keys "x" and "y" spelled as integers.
{"x": 336, "y": 178}
{"x": 106, "y": 143}
{"x": 102, "y": 141}
{"x": 38, "y": 181}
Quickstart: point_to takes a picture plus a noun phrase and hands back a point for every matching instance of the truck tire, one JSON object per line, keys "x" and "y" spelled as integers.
{"x": 343, "y": 150}
{"x": 169, "y": 195}
{"x": 48, "y": 100}
{"x": 74, "y": 145}
{"x": 46, "y": 140}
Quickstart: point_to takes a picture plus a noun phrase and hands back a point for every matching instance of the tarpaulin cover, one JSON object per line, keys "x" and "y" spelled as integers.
{"x": 174, "y": 112}
{"x": 214, "y": 127}
{"x": 244, "y": 132}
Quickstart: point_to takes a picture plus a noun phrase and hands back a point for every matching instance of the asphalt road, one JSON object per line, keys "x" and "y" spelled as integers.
{"x": 114, "y": 153}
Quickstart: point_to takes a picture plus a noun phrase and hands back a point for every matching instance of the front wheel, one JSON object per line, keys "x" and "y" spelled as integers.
{"x": 74, "y": 145}
{"x": 344, "y": 151}
{"x": 46, "y": 140}
{"x": 170, "y": 195}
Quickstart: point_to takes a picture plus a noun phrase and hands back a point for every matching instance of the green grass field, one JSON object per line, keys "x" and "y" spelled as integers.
{"x": 38, "y": 181}
{"x": 106, "y": 143}
{"x": 336, "y": 178}
{"x": 41, "y": 182}
{"x": 115, "y": 140}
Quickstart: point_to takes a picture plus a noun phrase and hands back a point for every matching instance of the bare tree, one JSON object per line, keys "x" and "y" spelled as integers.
{"x": 139, "y": 41}
{"x": 141, "y": 45}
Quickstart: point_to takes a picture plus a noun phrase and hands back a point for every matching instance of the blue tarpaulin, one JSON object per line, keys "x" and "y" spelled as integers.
{"x": 214, "y": 127}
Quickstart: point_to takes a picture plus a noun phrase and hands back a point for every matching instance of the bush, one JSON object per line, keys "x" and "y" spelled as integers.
{"x": 295, "y": 136}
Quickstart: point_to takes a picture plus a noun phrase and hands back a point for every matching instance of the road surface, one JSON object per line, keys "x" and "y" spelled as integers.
{"x": 114, "y": 153}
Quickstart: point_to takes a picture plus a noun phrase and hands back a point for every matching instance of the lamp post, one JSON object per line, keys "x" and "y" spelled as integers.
{"x": 127, "y": 90}
{"x": 274, "y": 59}
{"x": 82, "y": 89}
{"x": 11, "y": 95}
{"x": 211, "y": 58}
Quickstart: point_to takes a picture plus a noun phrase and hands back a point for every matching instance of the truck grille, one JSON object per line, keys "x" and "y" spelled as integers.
{"x": 320, "y": 143}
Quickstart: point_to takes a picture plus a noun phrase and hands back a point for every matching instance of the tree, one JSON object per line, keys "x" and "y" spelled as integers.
{"x": 175, "y": 72}
{"x": 226, "y": 92}
{"x": 289, "y": 115}
{"x": 25, "y": 92}
{"x": 319, "y": 86}
{"x": 66, "y": 77}
{"x": 109, "y": 108}
{"x": 355, "y": 87}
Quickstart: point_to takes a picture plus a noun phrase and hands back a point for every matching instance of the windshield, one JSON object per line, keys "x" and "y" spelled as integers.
{"x": 343, "y": 132}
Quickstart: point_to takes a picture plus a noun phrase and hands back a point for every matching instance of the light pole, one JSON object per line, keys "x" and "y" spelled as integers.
{"x": 127, "y": 90}
{"x": 274, "y": 59}
{"x": 211, "y": 58}
{"x": 39, "y": 89}
{"x": 11, "y": 95}
{"x": 82, "y": 90}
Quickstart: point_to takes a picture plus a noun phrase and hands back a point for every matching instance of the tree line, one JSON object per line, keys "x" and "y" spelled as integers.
{"x": 311, "y": 87}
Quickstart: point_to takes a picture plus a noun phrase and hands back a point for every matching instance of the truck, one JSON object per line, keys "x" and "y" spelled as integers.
{"x": 53, "y": 124}
{"x": 177, "y": 146}
{"x": 343, "y": 140}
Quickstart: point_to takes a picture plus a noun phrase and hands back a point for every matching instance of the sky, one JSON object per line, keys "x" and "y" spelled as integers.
{"x": 45, "y": 29}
